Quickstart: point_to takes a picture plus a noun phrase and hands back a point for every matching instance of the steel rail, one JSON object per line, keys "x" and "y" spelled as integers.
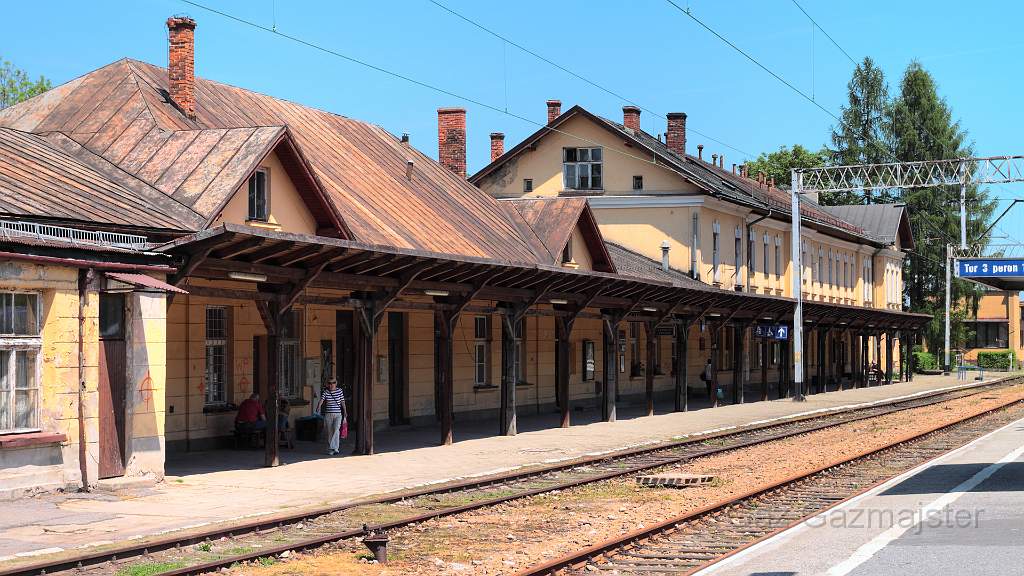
{"x": 602, "y": 550}
{"x": 840, "y": 417}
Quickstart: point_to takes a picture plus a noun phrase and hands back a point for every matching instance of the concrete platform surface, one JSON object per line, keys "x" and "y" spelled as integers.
{"x": 959, "y": 514}
{"x": 204, "y": 488}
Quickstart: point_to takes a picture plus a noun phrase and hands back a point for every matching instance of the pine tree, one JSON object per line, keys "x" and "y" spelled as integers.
{"x": 864, "y": 132}
{"x": 923, "y": 129}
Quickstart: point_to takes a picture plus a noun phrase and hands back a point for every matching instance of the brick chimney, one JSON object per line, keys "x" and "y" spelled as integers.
{"x": 451, "y": 139}
{"x": 181, "y": 63}
{"x": 631, "y": 118}
{"x": 675, "y": 138}
{"x": 554, "y": 110}
{"x": 497, "y": 145}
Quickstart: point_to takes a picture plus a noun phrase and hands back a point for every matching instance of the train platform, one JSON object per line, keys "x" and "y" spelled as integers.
{"x": 204, "y": 489}
{"x": 958, "y": 514}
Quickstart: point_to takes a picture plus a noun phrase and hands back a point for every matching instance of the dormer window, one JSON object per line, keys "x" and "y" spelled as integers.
{"x": 567, "y": 253}
{"x": 582, "y": 168}
{"x": 259, "y": 195}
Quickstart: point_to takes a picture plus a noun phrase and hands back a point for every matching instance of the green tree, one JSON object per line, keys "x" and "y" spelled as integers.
{"x": 16, "y": 86}
{"x": 779, "y": 164}
{"x": 864, "y": 132}
{"x": 923, "y": 128}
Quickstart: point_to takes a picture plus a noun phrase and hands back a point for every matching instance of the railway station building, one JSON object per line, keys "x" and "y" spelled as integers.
{"x": 227, "y": 242}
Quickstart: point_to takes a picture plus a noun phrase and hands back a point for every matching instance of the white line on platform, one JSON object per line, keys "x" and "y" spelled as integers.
{"x": 821, "y": 518}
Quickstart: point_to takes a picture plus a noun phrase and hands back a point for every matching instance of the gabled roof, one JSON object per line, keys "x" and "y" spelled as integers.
{"x": 45, "y": 178}
{"x": 553, "y": 221}
{"x": 123, "y": 109}
{"x": 885, "y": 221}
{"x": 706, "y": 176}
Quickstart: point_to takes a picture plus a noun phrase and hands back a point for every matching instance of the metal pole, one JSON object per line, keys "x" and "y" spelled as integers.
{"x": 949, "y": 258}
{"x": 798, "y": 311}
{"x": 963, "y": 206}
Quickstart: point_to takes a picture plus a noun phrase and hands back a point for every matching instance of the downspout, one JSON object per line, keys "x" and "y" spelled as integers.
{"x": 84, "y": 276}
{"x": 749, "y": 256}
{"x": 188, "y": 372}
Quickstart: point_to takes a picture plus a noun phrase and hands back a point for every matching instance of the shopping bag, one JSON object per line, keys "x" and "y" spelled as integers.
{"x": 344, "y": 428}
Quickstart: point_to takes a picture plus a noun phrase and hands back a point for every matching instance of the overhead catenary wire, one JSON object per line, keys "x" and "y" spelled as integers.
{"x": 827, "y": 35}
{"x": 411, "y": 80}
{"x": 576, "y": 75}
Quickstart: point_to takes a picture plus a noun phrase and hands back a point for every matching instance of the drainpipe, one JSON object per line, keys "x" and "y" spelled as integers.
{"x": 84, "y": 276}
{"x": 188, "y": 373}
{"x": 749, "y": 259}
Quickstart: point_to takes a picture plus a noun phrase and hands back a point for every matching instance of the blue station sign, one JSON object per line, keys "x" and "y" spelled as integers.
{"x": 989, "y": 267}
{"x": 776, "y": 331}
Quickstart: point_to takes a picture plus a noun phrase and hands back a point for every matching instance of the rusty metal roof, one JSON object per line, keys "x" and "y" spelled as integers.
{"x": 39, "y": 178}
{"x": 121, "y": 111}
{"x": 553, "y": 221}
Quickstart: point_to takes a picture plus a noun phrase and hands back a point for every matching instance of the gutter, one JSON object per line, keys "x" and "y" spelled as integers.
{"x": 79, "y": 263}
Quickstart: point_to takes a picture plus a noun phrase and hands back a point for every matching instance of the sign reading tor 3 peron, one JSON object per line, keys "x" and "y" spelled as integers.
{"x": 989, "y": 267}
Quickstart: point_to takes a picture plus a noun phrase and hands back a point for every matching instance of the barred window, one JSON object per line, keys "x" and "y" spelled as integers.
{"x": 216, "y": 352}
{"x": 481, "y": 350}
{"x": 20, "y": 344}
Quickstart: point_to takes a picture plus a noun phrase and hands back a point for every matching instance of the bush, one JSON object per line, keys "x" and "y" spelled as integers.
{"x": 924, "y": 361}
{"x": 1001, "y": 360}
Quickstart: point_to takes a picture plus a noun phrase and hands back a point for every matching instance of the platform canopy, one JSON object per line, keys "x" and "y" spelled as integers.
{"x": 999, "y": 273}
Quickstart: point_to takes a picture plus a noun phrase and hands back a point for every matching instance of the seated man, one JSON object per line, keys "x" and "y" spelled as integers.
{"x": 251, "y": 415}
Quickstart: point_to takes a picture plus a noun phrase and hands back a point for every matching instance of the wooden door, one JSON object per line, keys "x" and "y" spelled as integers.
{"x": 398, "y": 388}
{"x": 344, "y": 367}
{"x": 113, "y": 377}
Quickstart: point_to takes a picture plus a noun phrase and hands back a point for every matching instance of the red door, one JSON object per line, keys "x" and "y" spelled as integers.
{"x": 113, "y": 376}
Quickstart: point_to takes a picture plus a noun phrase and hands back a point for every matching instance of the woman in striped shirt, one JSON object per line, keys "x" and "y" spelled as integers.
{"x": 332, "y": 406}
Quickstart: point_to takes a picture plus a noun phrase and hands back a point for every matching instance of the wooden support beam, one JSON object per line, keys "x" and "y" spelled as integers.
{"x": 609, "y": 377}
{"x": 270, "y": 312}
{"x": 237, "y": 248}
{"x": 563, "y": 332}
{"x": 764, "y": 368}
{"x": 365, "y": 343}
{"x": 715, "y": 327}
{"x": 444, "y": 358}
{"x": 682, "y": 386}
{"x": 888, "y": 356}
{"x": 739, "y": 340}
{"x": 269, "y": 252}
{"x": 651, "y": 341}
{"x": 302, "y": 284}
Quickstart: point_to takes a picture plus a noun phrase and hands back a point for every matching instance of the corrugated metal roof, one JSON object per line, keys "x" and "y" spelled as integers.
{"x": 142, "y": 280}
{"x": 630, "y": 263}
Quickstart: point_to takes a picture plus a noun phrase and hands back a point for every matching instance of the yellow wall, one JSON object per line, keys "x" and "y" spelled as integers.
{"x": 288, "y": 211}
{"x": 653, "y": 217}
{"x": 59, "y": 370}
{"x": 544, "y": 166}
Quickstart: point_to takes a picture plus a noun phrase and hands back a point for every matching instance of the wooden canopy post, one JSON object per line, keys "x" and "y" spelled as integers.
{"x": 910, "y": 358}
{"x": 365, "y": 344}
{"x": 819, "y": 386}
{"x": 739, "y": 342}
{"x": 444, "y": 371}
{"x": 864, "y": 364}
{"x": 764, "y": 368}
{"x": 714, "y": 364}
{"x": 563, "y": 331}
{"x": 271, "y": 312}
{"x": 444, "y": 358}
{"x": 784, "y": 369}
{"x": 651, "y": 337}
{"x": 609, "y": 383}
{"x": 565, "y": 317}
{"x": 888, "y": 356}
{"x": 511, "y": 316}
{"x": 878, "y": 353}
{"x": 682, "y": 389}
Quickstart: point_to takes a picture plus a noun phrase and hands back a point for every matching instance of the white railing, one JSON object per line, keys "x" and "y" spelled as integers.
{"x": 18, "y": 229}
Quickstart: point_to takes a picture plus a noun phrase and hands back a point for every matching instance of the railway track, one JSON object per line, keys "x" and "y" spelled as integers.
{"x": 696, "y": 540}
{"x": 210, "y": 550}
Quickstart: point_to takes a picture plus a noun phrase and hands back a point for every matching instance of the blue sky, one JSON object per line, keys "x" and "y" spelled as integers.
{"x": 645, "y": 50}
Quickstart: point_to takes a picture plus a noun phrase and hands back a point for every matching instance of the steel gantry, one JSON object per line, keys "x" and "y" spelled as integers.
{"x": 961, "y": 172}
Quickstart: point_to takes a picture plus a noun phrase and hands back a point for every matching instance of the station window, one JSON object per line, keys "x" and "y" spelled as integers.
{"x": 290, "y": 385}
{"x": 481, "y": 350}
{"x": 19, "y": 362}
{"x": 634, "y": 349}
{"x": 567, "y": 252}
{"x": 259, "y": 195}
{"x": 527, "y": 184}
{"x": 519, "y": 363}
{"x": 589, "y": 360}
{"x": 582, "y": 168}
{"x": 778, "y": 257}
{"x": 638, "y": 182}
{"x": 764, "y": 255}
{"x": 716, "y": 248}
{"x": 216, "y": 354}
{"x": 738, "y": 248}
